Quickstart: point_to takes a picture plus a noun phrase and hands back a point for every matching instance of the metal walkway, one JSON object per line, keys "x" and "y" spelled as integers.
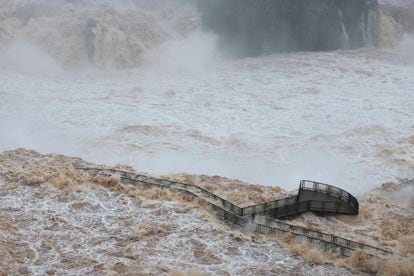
{"x": 265, "y": 217}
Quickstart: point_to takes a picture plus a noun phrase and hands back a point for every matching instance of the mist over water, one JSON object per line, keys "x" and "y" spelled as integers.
{"x": 342, "y": 117}
{"x": 192, "y": 55}
{"x": 25, "y": 57}
{"x": 405, "y": 49}
{"x": 147, "y": 84}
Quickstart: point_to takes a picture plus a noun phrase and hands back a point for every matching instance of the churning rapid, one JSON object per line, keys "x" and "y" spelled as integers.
{"x": 205, "y": 88}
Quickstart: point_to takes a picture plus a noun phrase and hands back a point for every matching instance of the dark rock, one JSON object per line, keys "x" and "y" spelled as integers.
{"x": 254, "y": 27}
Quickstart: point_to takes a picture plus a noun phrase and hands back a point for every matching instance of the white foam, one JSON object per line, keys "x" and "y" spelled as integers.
{"x": 342, "y": 118}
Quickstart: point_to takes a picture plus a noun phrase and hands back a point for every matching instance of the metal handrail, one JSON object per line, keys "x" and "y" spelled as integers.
{"x": 330, "y": 190}
{"x": 237, "y": 215}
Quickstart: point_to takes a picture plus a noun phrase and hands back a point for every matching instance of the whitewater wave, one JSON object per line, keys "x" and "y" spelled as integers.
{"x": 105, "y": 34}
{"x": 56, "y": 219}
{"x": 120, "y": 34}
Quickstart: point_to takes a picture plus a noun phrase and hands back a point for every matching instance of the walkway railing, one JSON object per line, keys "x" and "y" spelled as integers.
{"x": 330, "y": 190}
{"x": 263, "y": 217}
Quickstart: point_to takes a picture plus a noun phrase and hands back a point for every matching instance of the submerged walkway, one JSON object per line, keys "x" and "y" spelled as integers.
{"x": 265, "y": 217}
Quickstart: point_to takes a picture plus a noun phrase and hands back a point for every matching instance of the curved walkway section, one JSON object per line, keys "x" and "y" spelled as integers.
{"x": 312, "y": 196}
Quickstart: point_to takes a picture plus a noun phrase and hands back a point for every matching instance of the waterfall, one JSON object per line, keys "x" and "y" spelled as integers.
{"x": 262, "y": 26}
{"x": 364, "y": 31}
{"x": 372, "y": 28}
{"x": 345, "y": 44}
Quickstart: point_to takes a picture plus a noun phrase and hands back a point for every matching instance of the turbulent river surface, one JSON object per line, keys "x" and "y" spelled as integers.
{"x": 342, "y": 117}
{"x": 345, "y": 118}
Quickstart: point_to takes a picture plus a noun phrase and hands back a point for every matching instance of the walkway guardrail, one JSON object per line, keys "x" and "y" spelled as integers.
{"x": 329, "y": 190}
{"x": 267, "y": 213}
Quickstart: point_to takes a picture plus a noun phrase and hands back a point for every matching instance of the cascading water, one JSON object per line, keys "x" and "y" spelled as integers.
{"x": 270, "y": 120}
{"x": 345, "y": 44}
{"x": 372, "y": 28}
{"x": 296, "y": 25}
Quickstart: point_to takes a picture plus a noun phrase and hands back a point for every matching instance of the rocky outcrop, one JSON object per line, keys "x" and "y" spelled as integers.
{"x": 252, "y": 28}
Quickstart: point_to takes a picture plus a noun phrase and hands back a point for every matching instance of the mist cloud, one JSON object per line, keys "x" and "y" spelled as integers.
{"x": 406, "y": 49}
{"x": 194, "y": 54}
{"x": 25, "y": 57}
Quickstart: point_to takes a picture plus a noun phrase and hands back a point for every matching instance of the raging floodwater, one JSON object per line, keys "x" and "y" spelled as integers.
{"x": 344, "y": 118}
{"x": 57, "y": 220}
{"x": 341, "y": 117}
{"x": 54, "y": 220}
